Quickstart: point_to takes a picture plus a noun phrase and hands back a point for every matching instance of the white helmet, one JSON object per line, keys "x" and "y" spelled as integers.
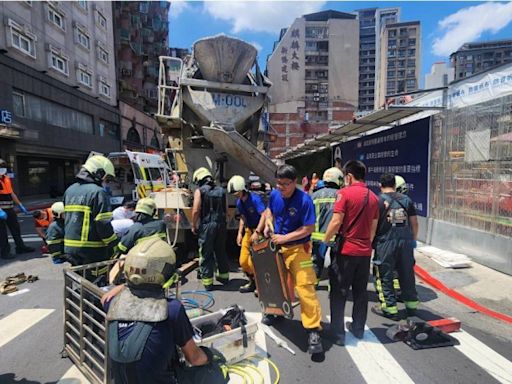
{"x": 333, "y": 175}
{"x": 236, "y": 184}
{"x": 57, "y": 208}
{"x": 401, "y": 185}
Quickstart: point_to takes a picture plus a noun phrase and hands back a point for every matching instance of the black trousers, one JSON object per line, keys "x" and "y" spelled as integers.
{"x": 212, "y": 251}
{"x": 353, "y": 272}
{"x": 10, "y": 222}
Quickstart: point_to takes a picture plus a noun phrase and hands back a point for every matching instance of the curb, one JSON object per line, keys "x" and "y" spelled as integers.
{"x": 432, "y": 281}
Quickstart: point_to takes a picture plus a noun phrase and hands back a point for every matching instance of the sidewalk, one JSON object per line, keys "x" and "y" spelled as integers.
{"x": 485, "y": 286}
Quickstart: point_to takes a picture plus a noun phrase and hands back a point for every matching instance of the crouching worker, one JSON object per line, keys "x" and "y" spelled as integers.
{"x": 145, "y": 328}
{"x": 55, "y": 234}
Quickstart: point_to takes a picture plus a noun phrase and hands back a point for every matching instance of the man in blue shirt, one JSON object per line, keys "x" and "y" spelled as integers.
{"x": 250, "y": 206}
{"x": 289, "y": 220}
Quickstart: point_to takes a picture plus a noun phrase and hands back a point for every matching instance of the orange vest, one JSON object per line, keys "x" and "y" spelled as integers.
{"x": 6, "y": 201}
{"x": 45, "y": 223}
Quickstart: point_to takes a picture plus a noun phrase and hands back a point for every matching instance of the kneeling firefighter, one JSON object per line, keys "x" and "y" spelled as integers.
{"x": 145, "y": 227}
{"x": 88, "y": 235}
{"x": 209, "y": 223}
{"x": 145, "y": 328}
{"x": 250, "y": 206}
{"x": 55, "y": 233}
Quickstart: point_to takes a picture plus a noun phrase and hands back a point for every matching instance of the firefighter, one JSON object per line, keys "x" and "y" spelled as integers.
{"x": 144, "y": 327}
{"x": 323, "y": 200}
{"x": 209, "y": 223}
{"x": 250, "y": 206}
{"x": 394, "y": 244}
{"x": 8, "y": 217}
{"x": 145, "y": 227}
{"x": 55, "y": 233}
{"x": 289, "y": 220}
{"x": 88, "y": 233}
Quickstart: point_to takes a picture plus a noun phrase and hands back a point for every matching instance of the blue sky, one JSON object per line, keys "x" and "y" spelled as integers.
{"x": 445, "y": 25}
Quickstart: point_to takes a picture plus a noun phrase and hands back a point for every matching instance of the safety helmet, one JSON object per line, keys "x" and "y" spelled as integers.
{"x": 400, "y": 185}
{"x": 146, "y": 205}
{"x": 57, "y": 208}
{"x": 236, "y": 184}
{"x": 152, "y": 261}
{"x": 333, "y": 175}
{"x": 200, "y": 174}
{"x": 99, "y": 167}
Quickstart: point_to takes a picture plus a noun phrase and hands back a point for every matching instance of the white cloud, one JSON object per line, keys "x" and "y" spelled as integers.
{"x": 178, "y": 7}
{"x": 468, "y": 24}
{"x": 258, "y": 15}
{"x": 256, "y": 45}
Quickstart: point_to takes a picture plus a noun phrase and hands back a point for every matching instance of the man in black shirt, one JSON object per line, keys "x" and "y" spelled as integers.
{"x": 394, "y": 245}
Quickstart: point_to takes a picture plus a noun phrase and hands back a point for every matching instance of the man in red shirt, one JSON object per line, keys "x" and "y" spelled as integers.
{"x": 356, "y": 211}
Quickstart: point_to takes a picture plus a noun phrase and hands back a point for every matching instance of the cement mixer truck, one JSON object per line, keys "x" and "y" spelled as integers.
{"x": 214, "y": 121}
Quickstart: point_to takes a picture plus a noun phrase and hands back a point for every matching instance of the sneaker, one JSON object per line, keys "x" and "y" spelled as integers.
{"x": 357, "y": 334}
{"x": 380, "y": 312}
{"x": 25, "y": 249}
{"x": 314, "y": 343}
{"x": 249, "y": 287}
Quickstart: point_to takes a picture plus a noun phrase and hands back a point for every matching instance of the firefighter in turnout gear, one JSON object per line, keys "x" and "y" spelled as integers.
{"x": 145, "y": 227}
{"x": 88, "y": 233}
{"x": 55, "y": 234}
{"x": 394, "y": 249}
{"x": 250, "y": 206}
{"x": 209, "y": 223}
{"x": 323, "y": 199}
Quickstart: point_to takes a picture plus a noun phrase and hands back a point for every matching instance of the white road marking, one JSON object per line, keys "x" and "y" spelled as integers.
{"x": 19, "y": 321}
{"x": 489, "y": 360}
{"x": 373, "y": 360}
{"x": 20, "y": 292}
{"x": 73, "y": 376}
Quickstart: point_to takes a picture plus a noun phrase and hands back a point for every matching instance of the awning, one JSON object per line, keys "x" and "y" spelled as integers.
{"x": 378, "y": 119}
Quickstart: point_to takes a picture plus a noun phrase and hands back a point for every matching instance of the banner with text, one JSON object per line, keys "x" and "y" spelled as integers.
{"x": 402, "y": 150}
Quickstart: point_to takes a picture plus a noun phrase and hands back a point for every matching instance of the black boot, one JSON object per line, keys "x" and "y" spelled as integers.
{"x": 249, "y": 287}
{"x": 24, "y": 249}
{"x": 314, "y": 342}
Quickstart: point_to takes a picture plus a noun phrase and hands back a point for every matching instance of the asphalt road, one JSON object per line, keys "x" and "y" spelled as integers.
{"x": 31, "y": 337}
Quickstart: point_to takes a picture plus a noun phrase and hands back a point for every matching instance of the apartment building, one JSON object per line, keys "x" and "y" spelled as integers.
{"x": 371, "y": 22}
{"x": 441, "y": 74}
{"x": 58, "y": 90}
{"x": 315, "y": 71}
{"x": 473, "y": 58}
{"x": 400, "y": 60}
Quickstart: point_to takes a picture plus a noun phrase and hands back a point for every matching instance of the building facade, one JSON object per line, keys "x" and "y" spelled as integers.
{"x": 141, "y": 36}
{"x": 473, "y": 58}
{"x": 440, "y": 75}
{"x": 314, "y": 69}
{"x": 139, "y": 131}
{"x": 400, "y": 60}
{"x": 58, "y": 90}
{"x": 371, "y": 22}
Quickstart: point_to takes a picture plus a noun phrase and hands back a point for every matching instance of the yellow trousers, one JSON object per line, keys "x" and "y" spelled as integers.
{"x": 245, "y": 254}
{"x": 297, "y": 259}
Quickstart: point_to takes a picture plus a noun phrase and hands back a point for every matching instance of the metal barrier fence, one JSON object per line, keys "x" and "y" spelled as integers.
{"x": 471, "y": 166}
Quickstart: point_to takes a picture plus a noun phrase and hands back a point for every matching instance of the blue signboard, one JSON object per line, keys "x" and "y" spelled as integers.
{"x": 402, "y": 150}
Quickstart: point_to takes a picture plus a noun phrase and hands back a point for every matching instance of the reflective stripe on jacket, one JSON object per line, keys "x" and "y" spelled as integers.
{"x": 323, "y": 200}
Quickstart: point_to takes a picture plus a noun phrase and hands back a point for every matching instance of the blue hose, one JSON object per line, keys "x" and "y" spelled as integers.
{"x": 189, "y": 302}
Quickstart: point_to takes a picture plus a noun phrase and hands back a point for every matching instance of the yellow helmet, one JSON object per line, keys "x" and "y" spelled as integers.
{"x": 57, "y": 208}
{"x": 236, "y": 184}
{"x": 146, "y": 205}
{"x": 99, "y": 167}
{"x": 200, "y": 174}
{"x": 333, "y": 175}
{"x": 150, "y": 262}
{"x": 401, "y": 185}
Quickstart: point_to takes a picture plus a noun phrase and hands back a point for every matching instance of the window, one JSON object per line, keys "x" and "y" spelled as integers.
{"x": 411, "y": 63}
{"x": 102, "y": 54}
{"x": 412, "y": 42}
{"x": 22, "y": 40}
{"x": 83, "y": 4}
{"x": 58, "y": 61}
{"x": 56, "y": 18}
{"x": 101, "y": 20}
{"x": 143, "y": 7}
{"x": 18, "y": 104}
{"x": 411, "y": 84}
{"x": 391, "y": 52}
{"x": 84, "y": 76}
{"x": 104, "y": 88}
{"x": 411, "y": 52}
{"x": 392, "y": 43}
{"x": 391, "y": 73}
{"x": 317, "y": 32}
{"x": 411, "y": 72}
{"x": 82, "y": 38}
{"x": 392, "y": 33}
